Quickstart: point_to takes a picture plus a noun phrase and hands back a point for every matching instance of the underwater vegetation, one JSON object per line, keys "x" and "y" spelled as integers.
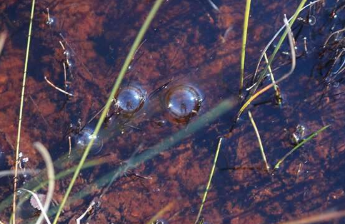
{"x": 206, "y": 111}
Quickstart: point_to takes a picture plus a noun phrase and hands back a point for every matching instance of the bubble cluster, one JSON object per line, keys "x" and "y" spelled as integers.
{"x": 130, "y": 100}
{"x": 183, "y": 102}
{"x": 82, "y": 139}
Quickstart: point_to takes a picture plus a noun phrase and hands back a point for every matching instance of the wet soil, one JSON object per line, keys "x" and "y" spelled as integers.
{"x": 188, "y": 44}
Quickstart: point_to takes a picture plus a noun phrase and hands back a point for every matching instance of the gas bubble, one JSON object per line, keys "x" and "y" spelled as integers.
{"x": 82, "y": 139}
{"x": 312, "y": 20}
{"x": 130, "y": 100}
{"x": 183, "y": 102}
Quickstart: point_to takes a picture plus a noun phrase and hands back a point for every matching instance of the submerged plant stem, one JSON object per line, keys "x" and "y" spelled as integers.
{"x": 15, "y": 179}
{"x": 209, "y": 181}
{"x": 115, "y": 88}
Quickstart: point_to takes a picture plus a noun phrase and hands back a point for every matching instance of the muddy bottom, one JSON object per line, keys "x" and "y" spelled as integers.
{"x": 166, "y": 119}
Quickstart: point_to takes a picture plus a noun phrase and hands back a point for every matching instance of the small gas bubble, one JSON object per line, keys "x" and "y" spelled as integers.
{"x": 70, "y": 63}
{"x": 130, "y": 100}
{"x": 183, "y": 102}
{"x": 50, "y": 21}
{"x": 67, "y": 53}
{"x": 312, "y": 20}
{"x": 82, "y": 139}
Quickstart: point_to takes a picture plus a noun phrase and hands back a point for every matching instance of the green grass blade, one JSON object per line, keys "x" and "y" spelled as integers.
{"x": 300, "y": 144}
{"x": 244, "y": 42}
{"x": 276, "y": 49}
{"x": 209, "y": 181}
{"x": 259, "y": 140}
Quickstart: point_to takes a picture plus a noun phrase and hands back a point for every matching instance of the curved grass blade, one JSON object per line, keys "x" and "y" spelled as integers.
{"x": 276, "y": 49}
{"x": 300, "y": 144}
{"x": 293, "y": 65}
{"x": 259, "y": 140}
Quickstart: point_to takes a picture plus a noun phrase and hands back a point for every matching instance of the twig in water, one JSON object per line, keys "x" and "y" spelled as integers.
{"x": 332, "y": 34}
{"x": 57, "y": 88}
{"x": 69, "y": 145}
{"x": 259, "y": 140}
{"x": 88, "y": 210}
{"x": 209, "y": 181}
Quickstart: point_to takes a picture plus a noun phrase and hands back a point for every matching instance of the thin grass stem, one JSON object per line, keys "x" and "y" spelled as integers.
{"x": 280, "y": 42}
{"x": 259, "y": 140}
{"x": 209, "y": 181}
{"x": 15, "y": 180}
{"x": 299, "y": 145}
{"x": 116, "y": 86}
{"x": 274, "y": 37}
{"x": 244, "y": 42}
{"x": 332, "y": 34}
{"x": 293, "y": 65}
{"x": 275, "y": 86}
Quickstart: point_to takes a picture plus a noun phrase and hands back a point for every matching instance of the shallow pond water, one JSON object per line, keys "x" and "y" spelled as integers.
{"x": 188, "y": 63}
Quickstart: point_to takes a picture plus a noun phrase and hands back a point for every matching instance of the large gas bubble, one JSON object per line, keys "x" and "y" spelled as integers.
{"x": 130, "y": 100}
{"x": 183, "y": 102}
{"x": 82, "y": 139}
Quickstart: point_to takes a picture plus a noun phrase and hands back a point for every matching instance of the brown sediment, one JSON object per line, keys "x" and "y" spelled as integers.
{"x": 185, "y": 45}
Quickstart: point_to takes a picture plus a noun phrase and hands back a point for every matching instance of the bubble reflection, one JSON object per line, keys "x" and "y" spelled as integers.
{"x": 183, "y": 102}
{"x": 130, "y": 100}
